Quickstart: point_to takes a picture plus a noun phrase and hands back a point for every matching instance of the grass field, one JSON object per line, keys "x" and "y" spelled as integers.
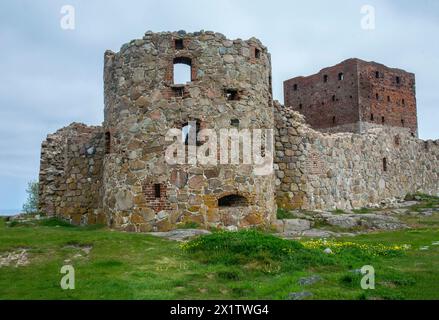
{"x": 245, "y": 265}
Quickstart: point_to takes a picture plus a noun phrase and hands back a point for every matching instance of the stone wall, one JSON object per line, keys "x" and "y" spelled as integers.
{"x": 229, "y": 87}
{"x": 347, "y": 170}
{"x": 71, "y": 174}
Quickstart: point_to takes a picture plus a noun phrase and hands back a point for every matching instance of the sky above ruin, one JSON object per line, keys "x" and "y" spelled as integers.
{"x": 51, "y": 77}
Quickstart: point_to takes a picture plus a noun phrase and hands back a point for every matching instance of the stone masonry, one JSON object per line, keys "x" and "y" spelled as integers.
{"x": 116, "y": 174}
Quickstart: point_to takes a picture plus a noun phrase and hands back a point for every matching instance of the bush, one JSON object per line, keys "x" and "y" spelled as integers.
{"x": 254, "y": 247}
{"x": 31, "y": 204}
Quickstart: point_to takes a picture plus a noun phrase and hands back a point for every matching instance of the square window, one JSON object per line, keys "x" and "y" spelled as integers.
{"x": 257, "y": 53}
{"x": 179, "y": 44}
{"x": 234, "y": 123}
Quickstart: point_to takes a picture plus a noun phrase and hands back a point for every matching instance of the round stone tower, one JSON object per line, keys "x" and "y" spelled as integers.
{"x": 228, "y": 87}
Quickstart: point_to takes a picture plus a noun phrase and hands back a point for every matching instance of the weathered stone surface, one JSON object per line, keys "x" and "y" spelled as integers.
{"x": 180, "y": 235}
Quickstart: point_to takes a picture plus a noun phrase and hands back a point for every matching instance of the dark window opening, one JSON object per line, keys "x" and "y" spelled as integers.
{"x": 333, "y": 120}
{"x": 385, "y": 164}
{"x": 257, "y": 53}
{"x": 179, "y": 44}
{"x": 377, "y": 74}
{"x": 371, "y": 117}
{"x": 107, "y": 142}
{"x": 398, "y": 80}
{"x": 383, "y": 120}
{"x": 295, "y": 87}
{"x": 234, "y": 123}
{"x": 182, "y": 70}
{"x": 300, "y": 106}
{"x": 388, "y": 98}
{"x": 325, "y": 78}
{"x": 403, "y": 102}
{"x": 178, "y": 91}
{"x": 157, "y": 193}
{"x": 340, "y": 76}
{"x": 377, "y": 96}
{"x": 402, "y": 122}
{"x": 231, "y": 94}
{"x": 333, "y": 98}
{"x": 232, "y": 201}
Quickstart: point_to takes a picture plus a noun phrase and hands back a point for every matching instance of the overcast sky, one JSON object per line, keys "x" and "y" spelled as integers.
{"x": 51, "y": 77}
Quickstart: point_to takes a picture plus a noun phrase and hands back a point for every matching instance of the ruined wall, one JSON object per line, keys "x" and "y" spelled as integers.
{"x": 387, "y": 96}
{"x": 346, "y": 170}
{"x": 327, "y": 99}
{"x": 71, "y": 174}
{"x": 230, "y": 87}
{"x": 355, "y": 96}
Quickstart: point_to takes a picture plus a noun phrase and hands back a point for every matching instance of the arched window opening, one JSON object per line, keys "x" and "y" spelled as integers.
{"x": 233, "y": 200}
{"x": 385, "y": 164}
{"x": 371, "y": 117}
{"x": 182, "y": 70}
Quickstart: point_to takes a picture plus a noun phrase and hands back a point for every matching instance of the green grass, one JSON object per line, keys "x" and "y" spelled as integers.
{"x": 243, "y": 265}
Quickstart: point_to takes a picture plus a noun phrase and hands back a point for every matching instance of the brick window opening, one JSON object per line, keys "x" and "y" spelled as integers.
{"x": 333, "y": 120}
{"x": 234, "y": 123}
{"x": 107, "y": 142}
{"x": 333, "y": 98}
{"x": 231, "y": 94}
{"x": 325, "y": 78}
{"x": 398, "y": 80}
{"x": 257, "y": 53}
{"x": 300, "y": 106}
{"x": 341, "y": 76}
{"x": 371, "y": 117}
{"x": 179, "y": 44}
{"x": 403, "y": 102}
{"x": 377, "y": 74}
{"x": 182, "y": 70}
{"x": 233, "y": 200}
{"x": 385, "y": 164}
{"x": 402, "y": 122}
{"x": 157, "y": 191}
{"x": 388, "y": 98}
{"x": 383, "y": 120}
{"x": 178, "y": 91}
{"x": 295, "y": 87}
{"x": 377, "y": 96}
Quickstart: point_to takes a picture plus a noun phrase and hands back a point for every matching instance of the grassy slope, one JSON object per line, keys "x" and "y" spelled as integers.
{"x": 136, "y": 266}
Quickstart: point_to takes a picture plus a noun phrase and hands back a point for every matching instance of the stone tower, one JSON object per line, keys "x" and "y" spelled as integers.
{"x": 229, "y": 87}
{"x": 355, "y": 96}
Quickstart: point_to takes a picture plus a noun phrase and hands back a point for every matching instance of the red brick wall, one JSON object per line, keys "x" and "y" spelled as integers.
{"x": 384, "y": 97}
{"x": 156, "y": 203}
{"x": 322, "y": 101}
{"x": 327, "y": 102}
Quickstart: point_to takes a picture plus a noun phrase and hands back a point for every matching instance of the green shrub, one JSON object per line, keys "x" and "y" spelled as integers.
{"x": 55, "y": 222}
{"x": 263, "y": 251}
{"x": 188, "y": 225}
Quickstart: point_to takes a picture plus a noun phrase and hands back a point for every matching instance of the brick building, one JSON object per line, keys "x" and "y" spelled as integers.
{"x": 354, "y": 96}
